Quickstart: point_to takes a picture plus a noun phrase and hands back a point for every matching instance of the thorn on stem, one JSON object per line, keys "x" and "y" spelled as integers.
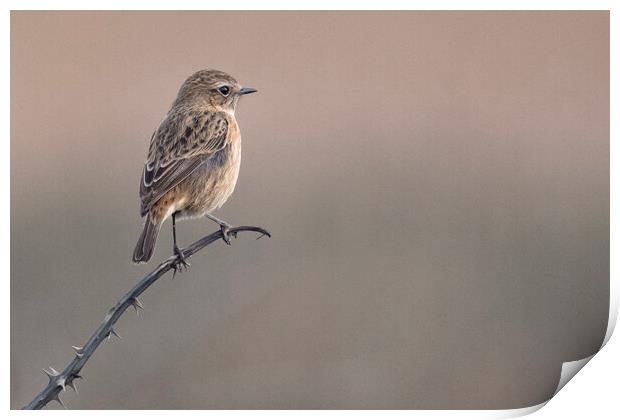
{"x": 57, "y": 398}
{"x": 71, "y": 385}
{"x": 51, "y": 374}
{"x": 78, "y": 351}
{"x": 137, "y": 305}
{"x": 113, "y": 333}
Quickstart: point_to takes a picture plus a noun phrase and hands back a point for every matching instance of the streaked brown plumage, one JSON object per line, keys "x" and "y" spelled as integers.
{"x": 193, "y": 159}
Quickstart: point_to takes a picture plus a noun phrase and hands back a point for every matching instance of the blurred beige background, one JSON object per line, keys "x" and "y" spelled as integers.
{"x": 436, "y": 185}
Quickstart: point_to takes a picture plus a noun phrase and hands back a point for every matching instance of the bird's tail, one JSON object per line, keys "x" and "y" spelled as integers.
{"x": 146, "y": 242}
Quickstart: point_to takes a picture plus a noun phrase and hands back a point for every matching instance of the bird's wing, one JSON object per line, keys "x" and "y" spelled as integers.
{"x": 183, "y": 141}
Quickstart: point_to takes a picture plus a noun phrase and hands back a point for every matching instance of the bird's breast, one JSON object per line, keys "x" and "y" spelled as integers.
{"x": 214, "y": 181}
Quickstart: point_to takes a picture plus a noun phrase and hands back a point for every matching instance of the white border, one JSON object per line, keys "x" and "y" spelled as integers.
{"x": 596, "y": 387}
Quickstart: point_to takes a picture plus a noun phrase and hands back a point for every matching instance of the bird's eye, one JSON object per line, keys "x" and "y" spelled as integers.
{"x": 224, "y": 90}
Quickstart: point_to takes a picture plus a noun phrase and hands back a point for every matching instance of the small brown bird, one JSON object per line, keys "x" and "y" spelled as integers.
{"x": 193, "y": 160}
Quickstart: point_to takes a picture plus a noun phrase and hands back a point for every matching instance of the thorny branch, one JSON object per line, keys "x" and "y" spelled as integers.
{"x": 58, "y": 381}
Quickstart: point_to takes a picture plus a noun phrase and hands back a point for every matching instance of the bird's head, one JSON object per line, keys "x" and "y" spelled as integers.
{"x": 216, "y": 88}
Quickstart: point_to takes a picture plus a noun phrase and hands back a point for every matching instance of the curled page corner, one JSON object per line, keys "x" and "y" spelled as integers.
{"x": 570, "y": 369}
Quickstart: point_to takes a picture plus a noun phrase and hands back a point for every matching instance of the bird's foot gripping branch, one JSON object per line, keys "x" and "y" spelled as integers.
{"x": 59, "y": 381}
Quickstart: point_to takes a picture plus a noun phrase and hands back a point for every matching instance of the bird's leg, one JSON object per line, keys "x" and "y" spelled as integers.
{"x": 224, "y": 227}
{"x": 177, "y": 251}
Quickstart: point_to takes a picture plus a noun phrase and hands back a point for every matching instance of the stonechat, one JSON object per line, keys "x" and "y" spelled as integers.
{"x": 193, "y": 160}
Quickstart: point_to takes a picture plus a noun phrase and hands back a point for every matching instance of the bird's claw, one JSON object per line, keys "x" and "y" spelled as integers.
{"x": 226, "y": 233}
{"x": 180, "y": 262}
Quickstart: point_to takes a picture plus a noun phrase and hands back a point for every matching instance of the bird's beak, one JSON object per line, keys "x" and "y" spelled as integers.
{"x": 246, "y": 90}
